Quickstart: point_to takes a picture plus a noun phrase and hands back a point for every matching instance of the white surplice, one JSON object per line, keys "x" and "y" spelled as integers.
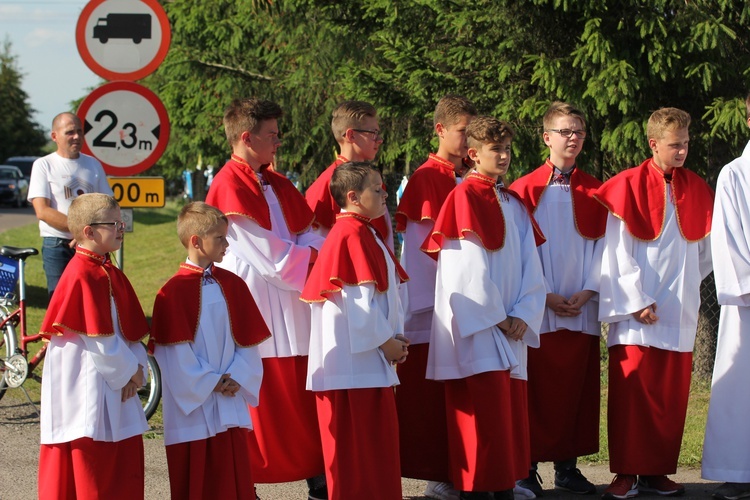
{"x": 274, "y": 265}
{"x": 191, "y": 370}
{"x": 82, "y": 386}
{"x": 726, "y": 450}
{"x": 667, "y": 271}
{"x": 570, "y": 262}
{"x": 347, "y": 332}
{"x": 475, "y": 290}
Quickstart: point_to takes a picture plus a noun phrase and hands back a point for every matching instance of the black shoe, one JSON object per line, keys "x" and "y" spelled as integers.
{"x": 317, "y": 488}
{"x": 573, "y": 481}
{"x": 533, "y": 482}
{"x": 476, "y": 495}
{"x": 504, "y": 495}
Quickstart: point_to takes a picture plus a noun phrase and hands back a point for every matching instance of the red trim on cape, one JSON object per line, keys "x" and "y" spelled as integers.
{"x": 589, "y": 216}
{"x": 81, "y": 302}
{"x": 473, "y": 206}
{"x": 349, "y": 256}
{"x": 236, "y": 190}
{"x": 426, "y": 192}
{"x": 326, "y": 209}
{"x": 638, "y": 196}
{"x": 177, "y": 308}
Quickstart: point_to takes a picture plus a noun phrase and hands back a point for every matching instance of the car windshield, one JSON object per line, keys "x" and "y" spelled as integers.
{"x": 7, "y": 174}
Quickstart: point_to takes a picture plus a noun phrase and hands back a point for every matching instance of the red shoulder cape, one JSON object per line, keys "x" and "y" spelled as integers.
{"x": 236, "y": 190}
{"x": 326, "y": 209}
{"x": 589, "y": 216}
{"x": 638, "y": 196}
{"x": 473, "y": 206}
{"x": 349, "y": 256}
{"x": 177, "y": 308}
{"x": 81, "y": 302}
{"x": 426, "y": 192}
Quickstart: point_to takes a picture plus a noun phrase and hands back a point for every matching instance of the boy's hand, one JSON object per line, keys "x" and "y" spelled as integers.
{"x": 130, "y": 390}
{"x": 395, "y": 350}
{"x": 517, "y": 328}
{"x": 647, "y": 315}
{"x": 138, "y": 379}
{"x": 577, "y": 300}
{"x": 561, "y": 306}
{"x": 226, "y": 385}
{"x": 400, "y": 336}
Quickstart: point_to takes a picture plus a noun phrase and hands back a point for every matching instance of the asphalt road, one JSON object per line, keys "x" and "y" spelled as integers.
{"x": 16, "y": 217}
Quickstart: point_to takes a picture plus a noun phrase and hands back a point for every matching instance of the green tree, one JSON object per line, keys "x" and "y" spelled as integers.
{"x": 19, "y": 133}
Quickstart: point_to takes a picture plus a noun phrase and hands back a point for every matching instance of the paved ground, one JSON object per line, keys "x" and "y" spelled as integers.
{"x": 19, "y": 448}
{"x": 16, "y": 217}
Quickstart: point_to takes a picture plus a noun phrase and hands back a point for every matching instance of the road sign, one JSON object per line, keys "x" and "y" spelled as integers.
{"x": 126, "y": 215}
{"x": 125, "y": 126}
{"x": 123, "y": 39}
{"x": 138, "y": 192}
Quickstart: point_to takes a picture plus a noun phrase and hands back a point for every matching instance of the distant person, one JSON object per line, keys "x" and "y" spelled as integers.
{"x": 206, "y": 330}
{"x": 92, "y": 419}
{"x": 656, "y": 253}
{"x": 56, "y": 180}
{"x": 725, "y": 451}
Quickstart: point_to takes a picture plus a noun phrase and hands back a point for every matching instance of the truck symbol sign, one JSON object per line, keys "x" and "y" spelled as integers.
{"x": 132, "y": 26}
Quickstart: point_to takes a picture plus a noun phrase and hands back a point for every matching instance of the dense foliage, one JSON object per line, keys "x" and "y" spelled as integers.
{"x": 618, "y": 61}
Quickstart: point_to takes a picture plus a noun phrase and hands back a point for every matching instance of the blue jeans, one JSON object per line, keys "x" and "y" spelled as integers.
{"x": 56, "y": 253}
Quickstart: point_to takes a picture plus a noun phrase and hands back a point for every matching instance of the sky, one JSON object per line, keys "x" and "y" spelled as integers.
{"x": 42, "y": 37}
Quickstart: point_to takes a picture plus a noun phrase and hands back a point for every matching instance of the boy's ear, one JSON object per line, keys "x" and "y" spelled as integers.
{"x": 545, "y": 137}
{"x": 195, "y": 241}
{"x": 472, "y": 152}
{"x": 439, "y": 129}
{"x": 348, "y": 135}
{"x": 88, "y": 232}
{"x": 352, "y": 197}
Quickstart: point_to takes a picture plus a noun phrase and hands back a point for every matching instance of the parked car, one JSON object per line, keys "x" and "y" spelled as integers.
{"x": 13, "y": 186}
{"x": 22, "y": 162}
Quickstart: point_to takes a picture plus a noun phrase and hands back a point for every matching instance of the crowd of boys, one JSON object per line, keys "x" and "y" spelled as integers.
{"x": 293, "y": 344}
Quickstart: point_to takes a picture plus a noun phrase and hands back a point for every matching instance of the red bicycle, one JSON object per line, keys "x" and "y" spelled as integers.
{"x": 15, "y": 365}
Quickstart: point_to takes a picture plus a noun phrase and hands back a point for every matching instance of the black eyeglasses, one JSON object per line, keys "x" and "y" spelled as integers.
{"x": 117, "y": 225}
{"x": 375, "y": 133}
{"x": 567, "y": 133}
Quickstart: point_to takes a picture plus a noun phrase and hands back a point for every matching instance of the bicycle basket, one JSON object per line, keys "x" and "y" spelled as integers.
{"x": 8, "y": 275}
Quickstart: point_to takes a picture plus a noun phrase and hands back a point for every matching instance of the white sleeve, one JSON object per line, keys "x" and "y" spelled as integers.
{"x": 191, "y": 381}
{"x": 532, "y": 297}
{"x": 112, "y": 358}
{"x": 595, "y": 272}
{"x": 140, "y": 353}
{"x": 621, "y": 293}
{"x": 38, "y": 183}
{"x": 247, "y": 370}
{"x": 282, "y": 263}
{"x": 421, "y": 268}
{"x": 367, "y": 322}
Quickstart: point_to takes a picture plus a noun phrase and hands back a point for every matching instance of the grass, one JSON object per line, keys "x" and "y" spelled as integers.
{"x": 152, "y": 254}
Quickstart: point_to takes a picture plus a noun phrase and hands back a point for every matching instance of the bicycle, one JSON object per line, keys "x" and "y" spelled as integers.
{"x": 15, "y": 366}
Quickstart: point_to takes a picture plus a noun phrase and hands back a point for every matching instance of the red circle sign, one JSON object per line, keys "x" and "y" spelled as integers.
{"x": 123, "y": 39}
{"x": 125, "y": 127}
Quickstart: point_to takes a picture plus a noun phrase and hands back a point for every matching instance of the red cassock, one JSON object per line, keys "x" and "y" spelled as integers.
{"x": 321, "y": 202}
{"x": 84, "y": 468}
{"x": 563, "y": 386}
{"x": 285, "y": 441}
{"x": 358, "y": 426}
{"x": 425, "y": 192}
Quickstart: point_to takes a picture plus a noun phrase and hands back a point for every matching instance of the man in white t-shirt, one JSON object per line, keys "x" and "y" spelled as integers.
{"x": 56, "y": 180}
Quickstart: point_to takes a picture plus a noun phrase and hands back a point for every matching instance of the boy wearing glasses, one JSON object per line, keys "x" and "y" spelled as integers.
{"x": 271, "y": 247}
{"x": 424, "y": 445}
{"x": 206, "y": 331}
{"x": 92, "y": 419}
{"x": 563, "y": 387}
{"x": 656, "y": 253}
{"x": 355, "y": 127}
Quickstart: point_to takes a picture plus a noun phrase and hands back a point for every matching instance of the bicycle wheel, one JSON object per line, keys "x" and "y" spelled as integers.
{"x": 150, "y": 394}
{"x": 8, "y": 346}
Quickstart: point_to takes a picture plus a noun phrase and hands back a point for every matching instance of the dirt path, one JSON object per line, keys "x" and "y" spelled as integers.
{"x": 19, "y": 442}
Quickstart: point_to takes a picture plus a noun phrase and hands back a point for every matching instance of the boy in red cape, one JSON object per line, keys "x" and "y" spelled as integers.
{"x": 656, "y": 253}
{"x": 489, "y": 301}
{"x": 92, "y": 419}
{"x": 356, "y": 338}
{"x": 564, "y": 372}
{"x": 206, "y": 328}
{"x": 355, "y": 127}
{"x": 271, "y": 246}
{"x": 421, "y": 402}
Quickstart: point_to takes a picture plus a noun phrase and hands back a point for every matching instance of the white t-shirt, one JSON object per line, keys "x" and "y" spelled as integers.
{"x": 61, "y": 180}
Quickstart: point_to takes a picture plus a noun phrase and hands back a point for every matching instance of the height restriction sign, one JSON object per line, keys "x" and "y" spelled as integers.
{"x": 123, "y": 39}
{"x": 125, "y": 127}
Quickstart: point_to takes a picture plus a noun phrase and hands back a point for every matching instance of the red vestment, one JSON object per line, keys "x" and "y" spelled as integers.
{"x": 426, "y": 192}
{"x": 638, "y": 196}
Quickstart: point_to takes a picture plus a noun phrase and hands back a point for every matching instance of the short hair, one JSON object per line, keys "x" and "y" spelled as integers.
{"x": 349, "y": 176}
{"x": 664, "y": 119}
{"x": 487, "y": 129}
{"x": 451, "y": 108}
{"x": 350, "y": 114}
{"x": 246, "y": 115}
{"x": 88, "y": 208}
{"x": 747, "y": 106}
{"x": 197, "y": 218}
{"x": 559, "y": 108}
{"x": 57, "y": 120}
